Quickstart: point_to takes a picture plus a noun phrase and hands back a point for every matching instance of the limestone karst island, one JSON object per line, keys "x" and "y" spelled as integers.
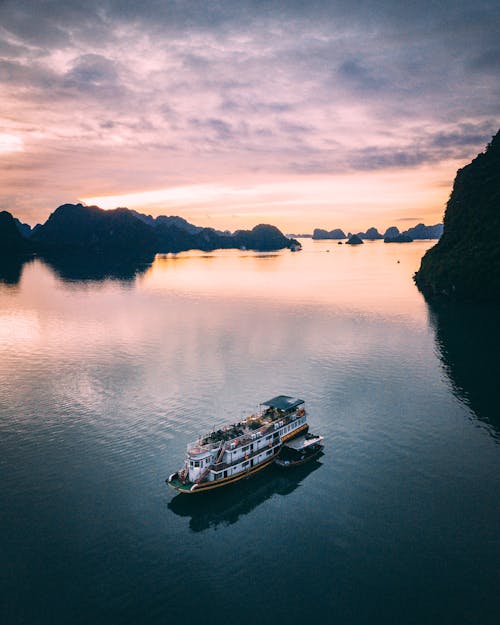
{"x": 465, "y": 263}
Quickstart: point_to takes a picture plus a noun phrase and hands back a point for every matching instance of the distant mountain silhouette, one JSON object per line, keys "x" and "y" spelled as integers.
{"x": 465, "y": 263}
{"x": 391, "y": 233}
{"x": 24, "y": 229}
{"x": 126, "y": 234}
{"x": 320, "y": 234}
{"x": 372, "y": 234}
{"x": 12, "y": 243}
{"x": 165, "y": 221}
{"x": 263, "y": 237}
{"x": 399, "y": 238}
{"x": 172, "y": 238}
{"x": 76, "y": 228}
{"x": 421, "y": 231}
{"x": 354, "y": 239}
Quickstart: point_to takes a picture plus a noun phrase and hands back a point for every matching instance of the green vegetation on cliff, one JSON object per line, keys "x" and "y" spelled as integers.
{"x": 465, "y": 263}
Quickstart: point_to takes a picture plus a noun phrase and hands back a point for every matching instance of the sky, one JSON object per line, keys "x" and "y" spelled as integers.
{"x": 231, "y": 113}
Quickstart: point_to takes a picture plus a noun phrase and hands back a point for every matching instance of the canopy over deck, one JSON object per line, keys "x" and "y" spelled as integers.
{"x": 283, "y": 402}
{"x": 302, "y": 442}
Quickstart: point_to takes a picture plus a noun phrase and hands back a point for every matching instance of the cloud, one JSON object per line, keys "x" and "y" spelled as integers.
{"x": 353, "y": 72}
{"x": 146, "y": 94}
{"x": 464, "y": 135}
{"x": 10, "y": 143}
{"x": 218, "y": 127}
{"x": 93, "y": 69}
{"x": 487, "y": 61}
{"x": 32, "y": 76}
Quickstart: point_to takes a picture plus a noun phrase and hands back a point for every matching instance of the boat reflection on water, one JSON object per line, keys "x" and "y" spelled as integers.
{"x": 468, "y": 341}
{"x": 226, "y": 506}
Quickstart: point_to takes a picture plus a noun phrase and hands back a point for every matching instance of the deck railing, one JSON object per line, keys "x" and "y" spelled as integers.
{"x": 249, "y": 435}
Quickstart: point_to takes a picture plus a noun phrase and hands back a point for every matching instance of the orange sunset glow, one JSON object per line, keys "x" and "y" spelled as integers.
{"x": 350, "y": 201}
{"x": 235, "y": 114}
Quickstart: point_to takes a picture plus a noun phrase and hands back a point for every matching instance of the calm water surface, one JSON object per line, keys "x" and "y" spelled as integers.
{"x": 106, "y": 374}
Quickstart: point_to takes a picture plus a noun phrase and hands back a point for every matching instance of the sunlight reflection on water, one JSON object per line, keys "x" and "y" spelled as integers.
{"x": 104, "y": 381}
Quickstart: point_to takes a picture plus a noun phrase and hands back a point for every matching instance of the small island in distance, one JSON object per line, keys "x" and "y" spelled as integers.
{"x": 463, "y": 265}
{"x": 76, "y": 229}
{"x": 391, "y": 235}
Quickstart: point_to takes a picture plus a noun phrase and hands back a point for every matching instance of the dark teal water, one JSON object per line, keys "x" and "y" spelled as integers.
{"x": 105, "y": 375}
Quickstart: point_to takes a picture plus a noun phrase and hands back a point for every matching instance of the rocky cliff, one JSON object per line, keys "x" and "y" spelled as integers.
{"x": 465, "y": 263}
{"x": 78, "y": 229}
{"x": 12, "y": 242}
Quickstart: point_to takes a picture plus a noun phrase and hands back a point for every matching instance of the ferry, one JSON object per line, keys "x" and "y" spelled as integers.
{"x": 241, "y": 449}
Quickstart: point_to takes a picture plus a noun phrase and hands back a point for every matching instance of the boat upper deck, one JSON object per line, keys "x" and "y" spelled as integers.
{"x": 278, "y": 412}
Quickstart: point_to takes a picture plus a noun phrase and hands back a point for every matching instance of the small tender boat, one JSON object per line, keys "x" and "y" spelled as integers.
{"x": 300, "y": 450}
{"x": 242, "y": 449}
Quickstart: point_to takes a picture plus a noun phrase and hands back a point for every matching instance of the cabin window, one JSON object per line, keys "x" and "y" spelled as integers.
{"x": 269, "y": 452}
{"x": 268, "y": 438}
{"x": 245, "y": 464}
{"x": 196, "y": 463}
{"x": 245, "y": 448}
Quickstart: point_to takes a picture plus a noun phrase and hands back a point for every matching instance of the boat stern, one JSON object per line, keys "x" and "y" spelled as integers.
{"x": 176, "y": 483}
